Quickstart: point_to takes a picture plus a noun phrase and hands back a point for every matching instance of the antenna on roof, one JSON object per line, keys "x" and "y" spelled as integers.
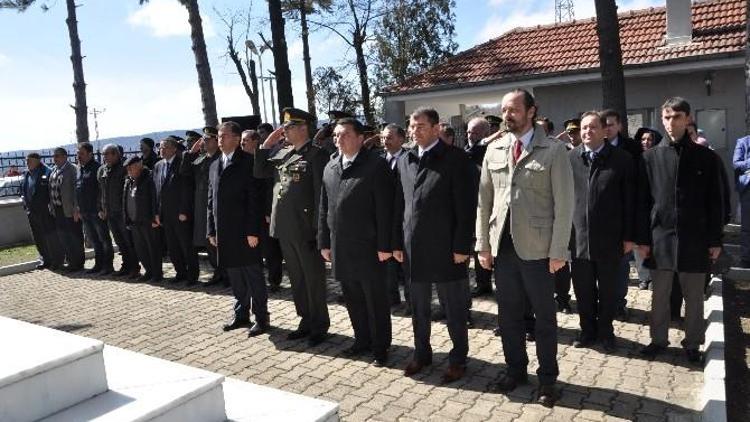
{"x": 564, "y": 11}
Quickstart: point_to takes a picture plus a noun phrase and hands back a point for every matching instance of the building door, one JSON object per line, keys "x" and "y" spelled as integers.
{"x": 713, "y": 122}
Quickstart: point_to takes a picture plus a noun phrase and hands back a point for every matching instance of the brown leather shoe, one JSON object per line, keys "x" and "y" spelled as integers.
{"x": 414, "y": 366}
{"x": 453, "y": 373}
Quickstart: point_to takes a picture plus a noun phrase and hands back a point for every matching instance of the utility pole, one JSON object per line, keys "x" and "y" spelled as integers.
{"x": 96, "y": 112}
{"x": 564, "y": 11}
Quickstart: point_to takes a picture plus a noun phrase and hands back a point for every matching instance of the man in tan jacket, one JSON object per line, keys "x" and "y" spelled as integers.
{"x": 524, "y": 220}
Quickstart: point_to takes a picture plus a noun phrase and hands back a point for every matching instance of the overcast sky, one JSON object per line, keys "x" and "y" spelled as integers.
{"x": 139, "y": 66}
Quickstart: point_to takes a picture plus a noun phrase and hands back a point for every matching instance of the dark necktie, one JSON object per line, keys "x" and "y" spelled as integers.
{"x": 517, "y": 149}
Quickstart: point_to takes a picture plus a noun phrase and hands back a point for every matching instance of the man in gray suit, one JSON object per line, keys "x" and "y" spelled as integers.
{"x": 63, "y": 205}
{"x": 524, "y": 219}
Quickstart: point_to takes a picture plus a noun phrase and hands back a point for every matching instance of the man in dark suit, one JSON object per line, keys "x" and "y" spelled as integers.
{"x": 603, "y": 223}
{"x": 235, "y": 211}
{"x": 298, "y": 172}
{"x": 680, "y": 224}
{"x": 141, "y": 213}
{"x": 392, "y": 138}
{"x": 617, "y": 139}
{"x": 195, "y": 167}
{"x": 35, "y": 195}
{"x": 176, "y": 212}
{"x": 477, "y": 129}
{"x": 272, "y": 256}
{"x": 433, "y": 237}
{"x": 87, "y": 203}
{"x": 354, "y": 234}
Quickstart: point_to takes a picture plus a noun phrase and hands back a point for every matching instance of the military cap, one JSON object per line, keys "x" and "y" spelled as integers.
{"x": 132, "y": 160}
{"x": 210, "y": 131}
{"x": 572, "y": 124}
{"x": 192, "y": 134}
{"x": 295, "y": 116}
{"x": 148, "y": 141}
{"x": 493, "y": 120}
{"x": 334, "y": 115}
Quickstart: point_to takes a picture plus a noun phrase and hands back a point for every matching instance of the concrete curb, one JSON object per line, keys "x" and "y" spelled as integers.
{"x": 713, "y": 396}
{"x": 31, "y": 266}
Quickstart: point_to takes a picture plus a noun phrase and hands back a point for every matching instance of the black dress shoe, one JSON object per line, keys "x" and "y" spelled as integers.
{"x": 316, "y": 339}
{"x": 530, "y": 337}
{"x": 70, "y": 269}
{"x": 134, "y": 275}
{"x": 481, "y": 291}
{"x": 191, "y": 282}
{"x": 547, "y": 395}
{"x": 157, "y": 278}
{"x": 621, "y": 314}
{"x": 93, "y": 270}
{"x": 439, "y": 315}
{"x": 643, "y": 285}
{"x": 652, "y": 350}
{"x": 564, "y": 307}
{"x": 106, "y": 271}
{"x": 175, "y": 280}
{"x": 355, "y": 350}
{"x": 380, "y": 361}
{"x": 582, "y": 342}
{"x": 469, "y": 321}
{"x": 144, "y": 277}
{"x": 609, "y": 345}
{"x": 121, "y": 272}
{"x": 508, "y": 383}
{"x": 41, "y": 266}
{"x": 258, "y": 329}
{"x": 297, "y": 334}
{"x": 235, "y": 324}
{"x": 273, "y": 287}
{"x": 694, "y": 356}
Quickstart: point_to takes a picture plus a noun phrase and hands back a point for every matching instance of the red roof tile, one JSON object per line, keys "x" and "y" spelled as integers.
{"x": 572, "y": 47}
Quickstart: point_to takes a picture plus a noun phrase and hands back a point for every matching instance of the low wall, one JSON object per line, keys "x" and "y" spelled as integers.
{"x": 14, "y": 226}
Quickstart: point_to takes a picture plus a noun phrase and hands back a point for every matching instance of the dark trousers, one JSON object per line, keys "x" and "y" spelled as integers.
{"x": 45, "y": 238}
{"x": 307, "y": 273}
{"x": 98, "y": 234}
{"x": 368, "y": 307}
{"x": 455, "y": 295}
{"x": 124, "y": 242}
{"x": 272, "y": 256}
{"x": 71, "y": 238}
{"x": 182, "y": 253}
{"x": 148, "y": 248}
{"x": 522, "y": 282}
{"x": 745, "y": 225}
{"x": 623, "y": 278}
{"x": 395, "y": 276}
{"x": 250, "y": 293}
{"x": 482, "y": 277}
{"x": 562, "y": 284}
{"x": 595, "y": 284}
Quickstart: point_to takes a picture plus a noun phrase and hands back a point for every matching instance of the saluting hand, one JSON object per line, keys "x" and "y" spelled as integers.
{"x": 384, "y": 256}
{"x": 326, "y": 254}
{"x": 274, "y": 138}
{"x": 252, "y": 241}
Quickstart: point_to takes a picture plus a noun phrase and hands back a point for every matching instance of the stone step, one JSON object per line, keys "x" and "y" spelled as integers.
{"x": 144, "y": 388}
{"x": 247, "y": 402}
{"x": 43, "y": 371}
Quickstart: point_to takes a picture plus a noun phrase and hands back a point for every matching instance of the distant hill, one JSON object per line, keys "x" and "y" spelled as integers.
{"x": 129, "y": 144}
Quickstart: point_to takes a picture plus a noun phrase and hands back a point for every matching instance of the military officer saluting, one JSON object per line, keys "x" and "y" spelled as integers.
{"x": 297, "y": 170}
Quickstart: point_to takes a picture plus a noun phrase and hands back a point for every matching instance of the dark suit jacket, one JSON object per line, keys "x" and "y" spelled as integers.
{"x": 604, "y": 212}
{"x": 235, "y": 210}
{"x": 35, "y": 193}
{"x": 356, "y": 216}
{"x": 195, "y": 169}
{"x": 680, "y": 206}
{"x": 631, "y": 146}
{"x": 174, "y": 195}
{"x": 435, "y": 213}
{"x": 146, "y": 207}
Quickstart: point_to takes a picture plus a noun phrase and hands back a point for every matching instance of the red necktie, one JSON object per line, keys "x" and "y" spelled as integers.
{"x": 517, "y": 148}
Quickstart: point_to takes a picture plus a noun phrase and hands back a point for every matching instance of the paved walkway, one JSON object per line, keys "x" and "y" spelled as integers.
{"x": 184, "y": 325}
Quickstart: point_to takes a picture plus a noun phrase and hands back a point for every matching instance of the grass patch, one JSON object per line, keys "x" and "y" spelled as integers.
{"x": 18, "y": 254}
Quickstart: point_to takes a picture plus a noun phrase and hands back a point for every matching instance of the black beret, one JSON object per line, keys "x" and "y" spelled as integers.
{"x": 132, "y": 160}
{"x": 148, "y": 141}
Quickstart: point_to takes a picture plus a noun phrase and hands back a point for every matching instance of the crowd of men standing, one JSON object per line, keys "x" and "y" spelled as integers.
{"x": 533, "y": 209}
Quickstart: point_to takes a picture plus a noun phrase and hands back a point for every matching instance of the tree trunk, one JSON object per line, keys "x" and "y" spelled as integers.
{"x": 79, "y": 85}
{"x": 280, "y": 56}
{"x": 254, "y": 83}
{"x": 306, "y": 59}
{"x": 243, "y": 77}
{"x": 747, "y": 71}
{"x": 364, "y": 83}
{"x": 610, "y": 58}
{"x": 205, "y": 81}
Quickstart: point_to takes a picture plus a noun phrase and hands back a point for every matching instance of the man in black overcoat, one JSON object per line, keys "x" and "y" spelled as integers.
{"x": 433, "y": 237}
{"x": 235, "y": 210}
{"x": 354, "y": 234}
{"x": 680, "y": 223}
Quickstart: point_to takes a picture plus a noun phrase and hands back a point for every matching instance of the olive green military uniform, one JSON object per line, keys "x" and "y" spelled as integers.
{"x": 297, "y": 178}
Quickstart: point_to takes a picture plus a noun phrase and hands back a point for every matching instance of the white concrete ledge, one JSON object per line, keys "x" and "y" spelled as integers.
{"x": 713, "y": 395}
{"x": 31, "y": 265}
